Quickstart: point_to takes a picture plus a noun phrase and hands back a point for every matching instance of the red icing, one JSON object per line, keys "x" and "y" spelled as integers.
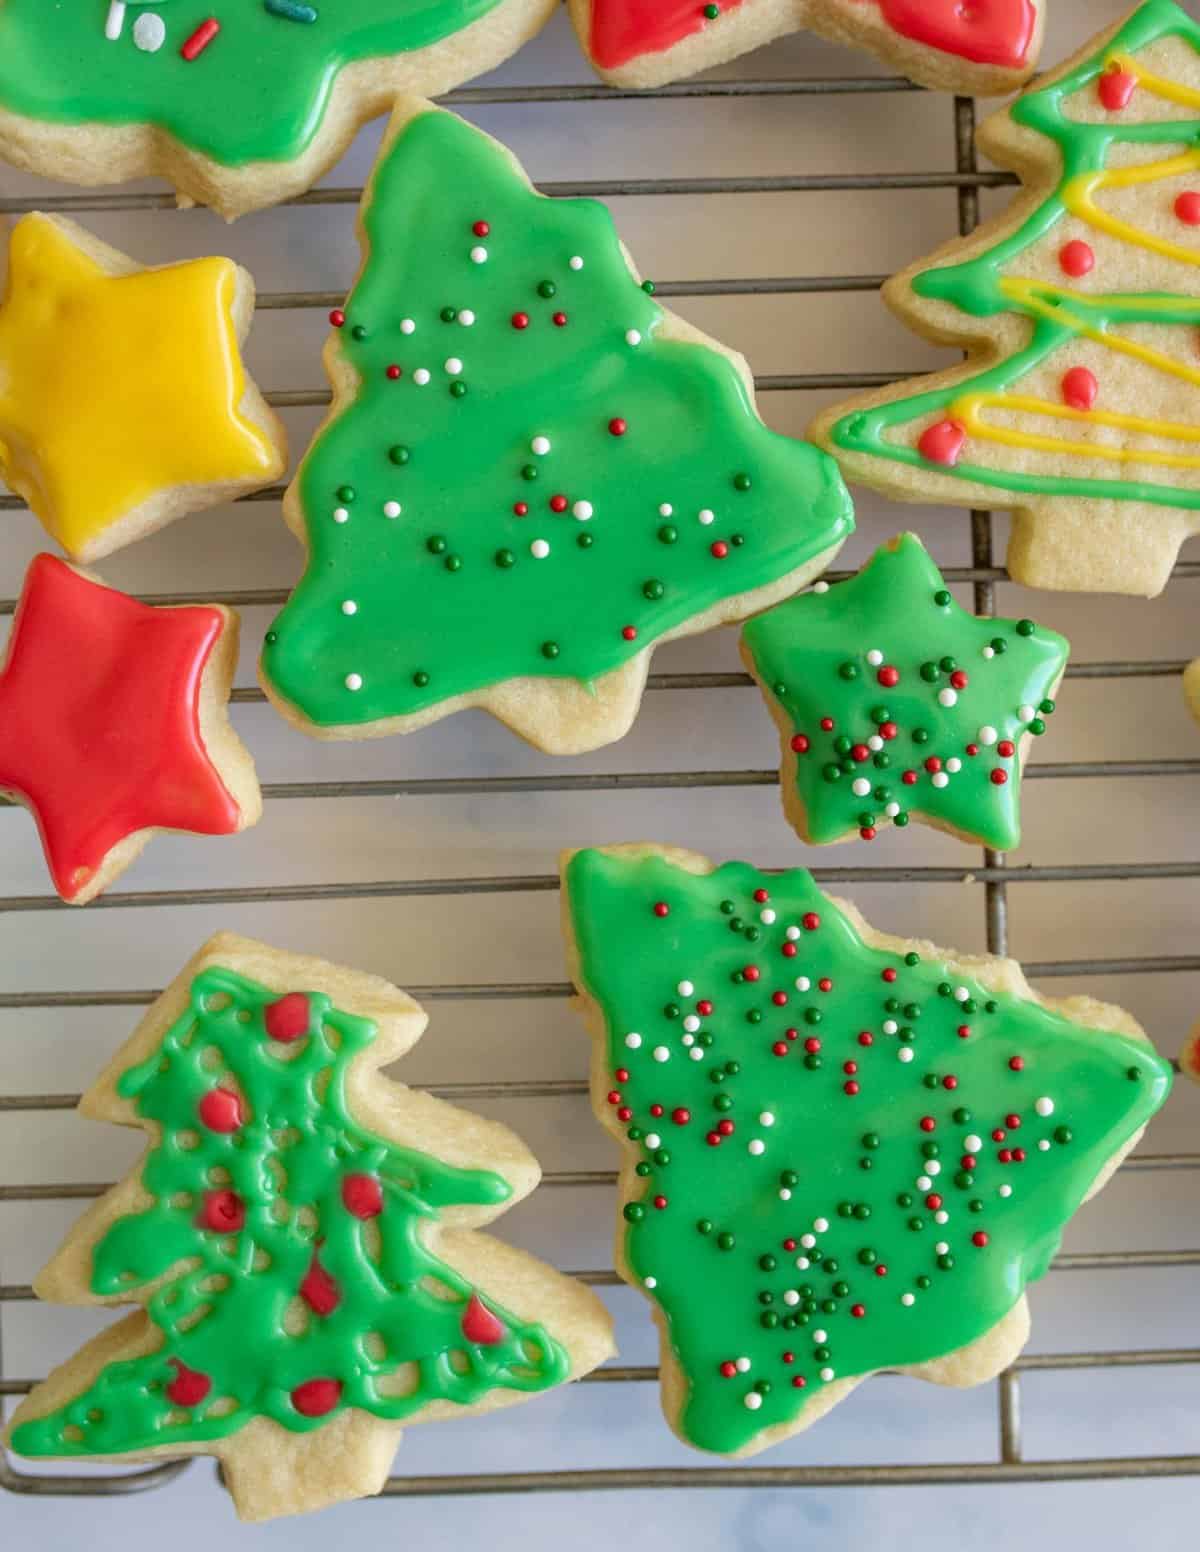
{"x": 362, "y": 1195}
{"x": 1187, "y": 208}
{"x": 223, "y": 1211}
{"x": 318, "y": 1290}
{"x": 986, "y": 32}
{"x": 316, "y": 1397}
{"x": 1079, "y": 388}
{"x": 1077, "y": 259}
{"x": 479, "y": 1325}
{"x": 1116, "y": 88}
{"x": 189, "y": 1387}
{"x": 287, "y": 1019}
{"x": 221, "y": 1110}
{"x": 99, "y": 720}
{"x": 943, "y": 443}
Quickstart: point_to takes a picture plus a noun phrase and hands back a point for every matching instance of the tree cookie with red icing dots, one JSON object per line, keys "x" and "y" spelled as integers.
{"x": 842, "y": 1151}
{"x": 987, "y": 46}
{"x": 894, "y": 702}
{"x": 1078, "y": 310}
{"x": 303, "y": 1238}
{"x": 114, "y": 724}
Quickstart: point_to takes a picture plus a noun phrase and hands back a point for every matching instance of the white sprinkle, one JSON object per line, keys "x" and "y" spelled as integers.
{"x": 972, "y": 1144}
{"x": 756, "y": 1146}
{"x": 583, "y": 510}
{"x": 941, "y": 1216}
{"x": 1044, "y": 1145}
{"x": 706, "y": 516}
{"x": 539, "y": 549}
{"x": 905, "y": 1053}
{"x": 691, "y": 1023}
{"x": 791, "y": 1297}
{"x": 633, "y": 337}
{"x": 908, "y": 1300}
{"x": 861, "y": 787}
{"x": 988, "y": 735}
{"x": 697, "y": 1054}
{"x": 892, "y": 810}
{"x": 875, "y": 742}
{"x": 479, "y": 255}
{"x": 890, "y": 1026}
{"x": 826, "y": 1375}
{"x": 954, "y": 765}
{"x": 665, "y": 509}
{"x": 421, "y": 376}
{"x": 452, "y": 365}
{"x": 653, "y": 1140}
{"x": 923, "y": 1182}
{"x": 820, "y": 587}
{"x": 1026, "y": 713}
{"x": 340, "y": 515}
{"x": 149, "y": 32}
{"x": 540, "y": 445}
{"x": 349, "y": 606}
{"x": 785, "y": 1196}
{"x": 821, "y": 1225}
{"x": 633, "y": 1040}
{"x": 802, "y": 983}
{"x": 942, "y": 1248}
{"x": 742, "y": 1365}
{"x": 874, "y": 657}
{"x": 661, "y": 1054}
{"x": 115, "y": 20}
{"x": 962, "y": 993}
{"x": 689, "y": 1040}
{"x": 808, "y": 1240}
{"x": 933, "y": 1167}
{"x": 392, "y": 509}
{"x": 685, "y": 988}
{"x": 767, "y": 917}
{"x": 802, "y": 1262}
{"x": 947, "y": 697}
{"x": 753, "y": 1400}
{"x": 354, "y": 681}
{"x": 407, "y": 326}
{"x": 650, "y": 1282}
{"x": 792, "y": 934}
{"x": 820, "y": 1337}
{"x": 466, "y": 317}
{"x": 1005, "y": 1191}
{"x": 1044, "y": 1106}
{"x": 575, "y": 261}
{"x": 989, "y": 652}
{"x": 767, "y": 1118}
{"x": 940, "y": 779}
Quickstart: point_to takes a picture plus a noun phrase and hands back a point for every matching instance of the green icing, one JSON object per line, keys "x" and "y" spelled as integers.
{"x": 975, "y": 287}
{"x": 930, "y": 743}
{"x": 817, "y": 1212}
{"x": 447, "y": 594}
{"x": 258, "y": 92}
{"x": 221, "y": 1298}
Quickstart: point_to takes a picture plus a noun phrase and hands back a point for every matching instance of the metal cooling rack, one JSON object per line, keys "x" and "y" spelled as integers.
{"x": 996, "y": 877}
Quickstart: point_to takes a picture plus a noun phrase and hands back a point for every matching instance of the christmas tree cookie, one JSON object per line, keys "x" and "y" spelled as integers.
{"x": 531, "y": 474}
{"x": 113, "y": 724}
{"x": 842, "y": 1151}
{"x": 895, "y": 703}
{"x": 238, "y": 104}
{"x": 1078, "y": 311}
{"x": 986, "y": 46}
{"x": 302, "y": 1236}
{"x": 123, "y": 399}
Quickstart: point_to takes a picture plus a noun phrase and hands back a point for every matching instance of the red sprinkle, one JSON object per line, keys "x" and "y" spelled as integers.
{"x": 200, "y": 39}
{"x": 933, "y": 1201}
{"x": 558, "y": 503}
{"x": 719, "y": 550}
{"x": 824, "y": 984}
{"x": 909, "y": 778}
{"x": 629, "y": 632}
{"x": 800, "y": 744}
{"x": 858, "y": 1310}
{"x": 789, "y": 950}
{"x": 704, "y": 1007}
{"x": 888, "y": 975}
{"x": 1016, "y": 1063}
{"x": 964, "y": 1031}
{"x": 481, "y": 229}
{"x": 761, "y": 896}
{"x": 660, "y": 1202}
{"x": 617, "y": 426}
{"x": 728, "y": 1368}
{"x": 1012, "y": 1121}
{"x": 751, "y": 972}
{"x": 999, "y": 778}
{"x": 827, "y": 724}
{"x": 624, "y": 1114}
{"x": 927, "y": 1124}
{"x": 959, "y": 679}
{"x": 888, "y": 730}
{"x": 779, "y": 999}
{"x": 520, "y": 320}
{"x": 521, "y": 508}
{"x": 851, "y": 1087}
{"x": 799, "y": 1381}
{"x": 560, "y": 320}
{"x": 888, "y": 677}
{"x": 393, "y": 372}
{"x": 950, "y": 1081}
{"x": 810, "y": 921}
{"x": 866, "y": 1037}
{"x": 661, "y": 908}
{"x": 812, "y": 1045}
{"x": 979, "y": 1238}
{"x": 656, "y": 1111}
{"x": 780, "y": 1048}
{"x": 680, "y": 1116}
{"x": 1006, "y": 749}
{"x": 337, "y": 317}
{"x": 725, "y": 1128}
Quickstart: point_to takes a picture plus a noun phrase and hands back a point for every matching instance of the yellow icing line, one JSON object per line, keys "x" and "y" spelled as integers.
{"x": 968, "y": 408}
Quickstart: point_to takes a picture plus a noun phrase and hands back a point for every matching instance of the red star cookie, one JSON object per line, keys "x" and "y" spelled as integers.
{"x": 113, "y": 724}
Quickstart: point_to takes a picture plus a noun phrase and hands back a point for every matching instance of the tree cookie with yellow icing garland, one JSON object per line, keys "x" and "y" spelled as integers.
{"x": 531, "y": 474}
{"x": 114, "y": 724}
{"x": 987, "y": 46}
{"x": 842, "y": 1151}
{"x": 894, "y": 702}
{"x": 1078, "y": 310}
{"x": 303, "y": 1237}
{"x": 238, "y": 105}
{"x": 124, "y": 403}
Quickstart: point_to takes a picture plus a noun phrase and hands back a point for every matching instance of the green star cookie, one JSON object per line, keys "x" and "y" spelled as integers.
{"x": 894, "y": 701}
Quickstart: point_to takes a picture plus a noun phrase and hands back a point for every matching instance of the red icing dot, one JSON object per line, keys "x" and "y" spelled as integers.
{"x": 480, "y": 1325}
{"x": 943, "y": 443}
{"x": 362, "y": 1196}
{"x": 558, "y": 503}
{"x": 999, "y": 778}
{"x": 221, "y": 1110}
{"x": 979, "y": 1238}
{"x": 810, "y": 921}
{"x": 1079, "y": 388}
{"x": 288, "y": 1018}
{"x": 800, "y": 744}
{"x": 719, "y": 550}
{"x": 393, "y": 372}
{"x": 223, "y": 1211}
{"x": 888, "y": 677}
{"x": 318, "y": 1289}
{"x": 629, "y": 632}
{"x": 520, "y": 320}
{"x": 560, "y": 320}
{"x": 189, "y": 1387}
{"x": 617, "y": 426}
{"x": 1077, "y": 259}
{"x": 1187, "y": 208}
{"x": 681, "y": 1116}
{"x": 481, "y": 228}
{"x": 316, "y": 1397}
{"x": 661, "y": 908}
{"x": 337, "y": 317}
{"x": 1116, "y": 87}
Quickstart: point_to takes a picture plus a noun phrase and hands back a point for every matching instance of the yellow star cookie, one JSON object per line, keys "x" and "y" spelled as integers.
{"x": 124, "y": 402}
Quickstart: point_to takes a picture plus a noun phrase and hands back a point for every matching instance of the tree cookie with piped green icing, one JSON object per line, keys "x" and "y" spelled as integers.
{"x": 842, "y": 1151}
{"x": 1078, "y": 310}
{"x": 986, "y": 46}
{"x": 894, "y": 702}
{"x": 303, "y": 1236}
{"x": 239, "y": 104}
{"x": 532, "y": 473}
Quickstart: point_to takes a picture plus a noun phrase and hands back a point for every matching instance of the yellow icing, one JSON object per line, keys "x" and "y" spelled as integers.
{"x": 115, "y": 388}
{"x": 967, "y": 410}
